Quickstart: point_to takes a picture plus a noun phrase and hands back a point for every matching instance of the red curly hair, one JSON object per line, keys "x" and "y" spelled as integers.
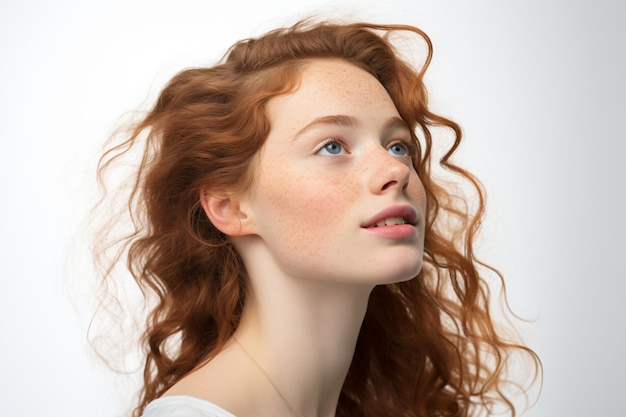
{"x": 427, "y": 347}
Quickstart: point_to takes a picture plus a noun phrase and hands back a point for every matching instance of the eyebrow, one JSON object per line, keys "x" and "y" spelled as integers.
{"x": 393, "y": 123}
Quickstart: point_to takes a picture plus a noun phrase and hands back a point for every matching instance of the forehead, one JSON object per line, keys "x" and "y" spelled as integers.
{"x": 331, "y": 86}
{"x": 340, "y": 79}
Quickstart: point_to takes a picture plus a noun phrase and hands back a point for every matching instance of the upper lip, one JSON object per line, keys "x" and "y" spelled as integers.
{"x": 407, "y": 212}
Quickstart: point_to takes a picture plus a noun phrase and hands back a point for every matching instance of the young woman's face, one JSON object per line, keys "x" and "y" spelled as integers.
{"x": 335, "y": 195}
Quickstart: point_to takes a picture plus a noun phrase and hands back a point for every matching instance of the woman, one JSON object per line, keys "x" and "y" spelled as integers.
{"x": 304, "y": 259}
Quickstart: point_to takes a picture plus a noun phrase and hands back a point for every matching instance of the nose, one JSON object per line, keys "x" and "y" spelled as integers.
{"x": 388, "y": 172}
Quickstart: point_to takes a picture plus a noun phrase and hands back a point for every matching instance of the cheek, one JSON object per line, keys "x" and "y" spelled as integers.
{"x": 303, "y": 212}
{"x": 418, "y": 193}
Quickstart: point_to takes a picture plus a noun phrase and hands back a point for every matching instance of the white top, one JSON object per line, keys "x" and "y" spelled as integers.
{"x": 183, "y": 406}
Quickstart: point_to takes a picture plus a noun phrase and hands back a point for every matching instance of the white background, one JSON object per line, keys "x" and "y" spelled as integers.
{"x": 538, "y": 87}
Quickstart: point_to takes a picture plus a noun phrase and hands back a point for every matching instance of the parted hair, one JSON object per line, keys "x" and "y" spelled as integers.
{"x": 427, "y": 347}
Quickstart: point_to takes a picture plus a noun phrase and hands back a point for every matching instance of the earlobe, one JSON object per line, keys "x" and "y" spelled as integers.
{"x": 225, "y": 214}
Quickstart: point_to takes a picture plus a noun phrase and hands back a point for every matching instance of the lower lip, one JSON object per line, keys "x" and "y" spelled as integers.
{"x": 396, "y": 231}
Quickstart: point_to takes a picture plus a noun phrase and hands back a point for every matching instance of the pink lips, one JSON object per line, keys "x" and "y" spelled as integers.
{"x": 394, "y": 231}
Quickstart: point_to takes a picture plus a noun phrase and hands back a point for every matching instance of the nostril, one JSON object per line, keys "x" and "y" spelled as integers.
{"x": 389, "y": 184}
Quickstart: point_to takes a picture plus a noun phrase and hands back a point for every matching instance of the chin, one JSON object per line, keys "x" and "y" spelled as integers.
{"x": 409, "y": 276}
{"x": 402, "y": 273}
{"x": 409, "y": 267}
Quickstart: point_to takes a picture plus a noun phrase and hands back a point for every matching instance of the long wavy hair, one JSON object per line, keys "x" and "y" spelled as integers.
{"x": 427, "y": 347}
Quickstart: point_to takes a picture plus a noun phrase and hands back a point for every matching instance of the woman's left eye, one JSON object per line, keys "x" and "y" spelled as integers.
{"x": 400, "y": 149}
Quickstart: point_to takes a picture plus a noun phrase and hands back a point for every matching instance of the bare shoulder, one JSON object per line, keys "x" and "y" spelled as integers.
{"x": 184, "y": 406}
{"x": 223, "y": 381}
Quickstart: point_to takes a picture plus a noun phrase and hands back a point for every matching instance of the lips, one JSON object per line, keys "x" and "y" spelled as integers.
{"x": 394, "y": 215}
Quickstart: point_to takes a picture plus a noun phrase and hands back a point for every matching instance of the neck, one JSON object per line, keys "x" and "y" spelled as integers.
{"x": 302, "y": 333}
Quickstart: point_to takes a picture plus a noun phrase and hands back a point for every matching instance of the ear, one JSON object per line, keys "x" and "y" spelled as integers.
{"x": 225, "y": 213}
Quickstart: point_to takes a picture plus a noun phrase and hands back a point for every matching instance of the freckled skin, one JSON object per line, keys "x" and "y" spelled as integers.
{"x": 308, "y": 206}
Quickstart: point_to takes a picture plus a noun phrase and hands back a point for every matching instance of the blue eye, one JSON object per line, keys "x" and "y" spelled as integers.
{"x": 332, "y": 147}
{"x": 399, "y": 149}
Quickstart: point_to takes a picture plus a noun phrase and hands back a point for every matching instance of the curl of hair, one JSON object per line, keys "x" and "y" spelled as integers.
{"x": 427, "y": 347}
